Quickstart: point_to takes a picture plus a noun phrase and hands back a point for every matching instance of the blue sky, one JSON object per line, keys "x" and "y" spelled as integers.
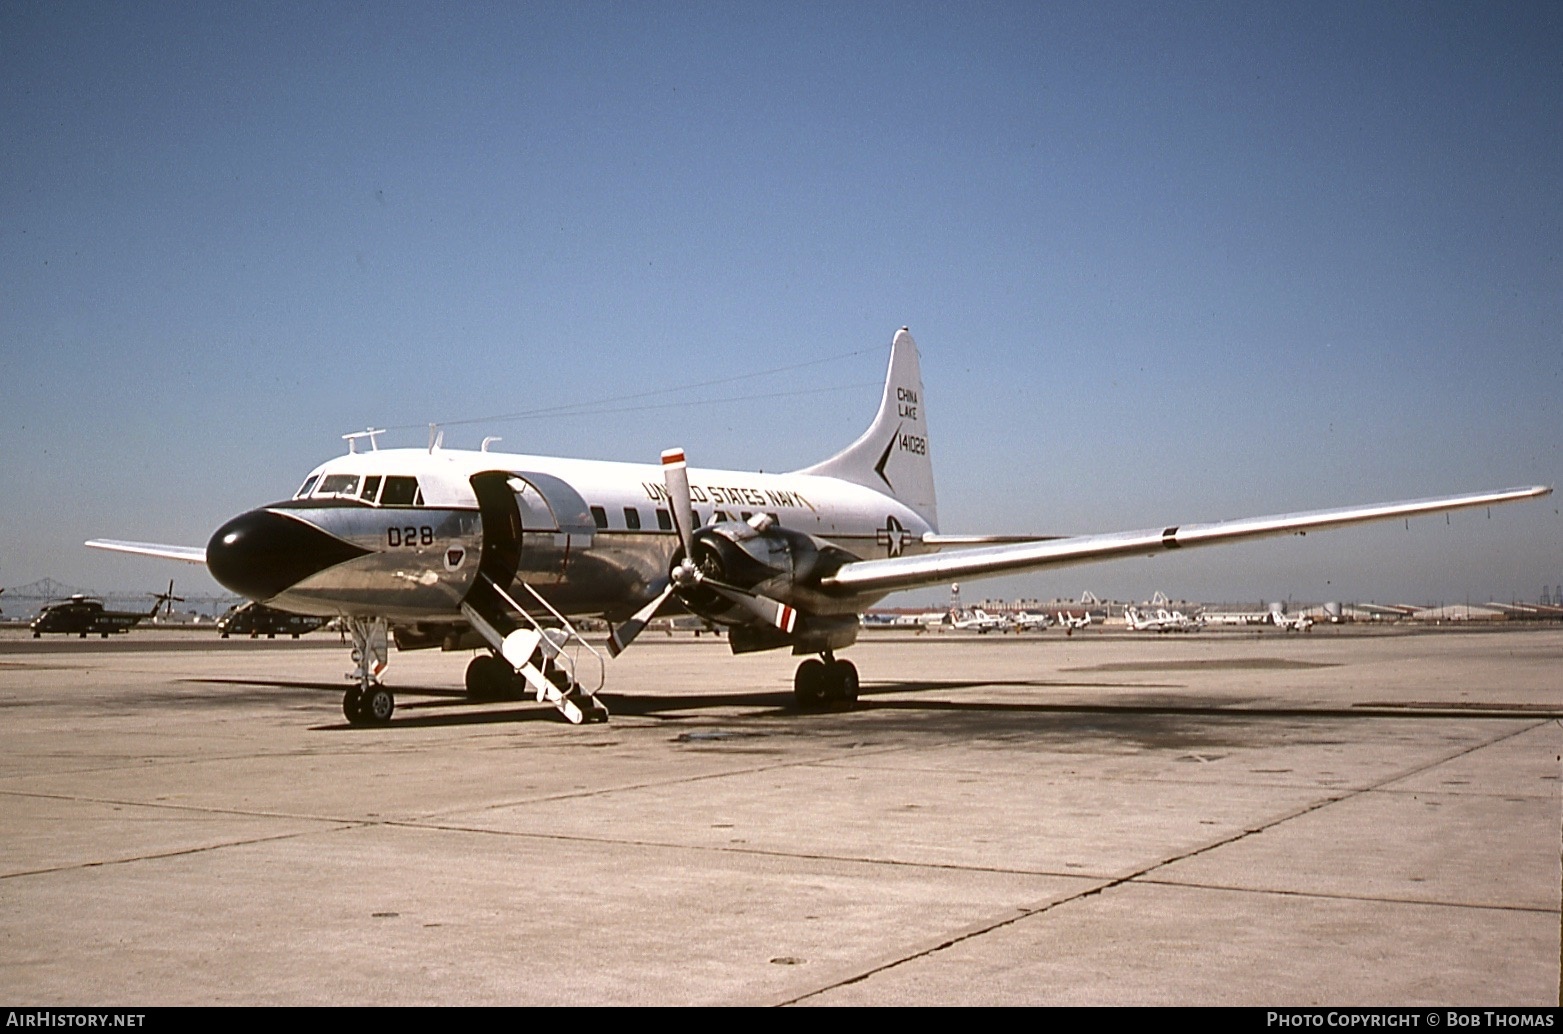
{"x": 1165, "y": 262}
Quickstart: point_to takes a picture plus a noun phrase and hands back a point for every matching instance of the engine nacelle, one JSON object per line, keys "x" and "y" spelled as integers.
{"x": 772, "y": 561}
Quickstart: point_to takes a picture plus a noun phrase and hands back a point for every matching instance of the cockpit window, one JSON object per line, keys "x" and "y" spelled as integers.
{"x": 308, "y": 484}
{"x": 401, "y": 491}
{"x": 371, "y": 488}
{"x": 338, "y": 485}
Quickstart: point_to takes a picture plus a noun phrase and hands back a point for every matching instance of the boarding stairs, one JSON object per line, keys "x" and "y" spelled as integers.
{"x": 555, "y": 660}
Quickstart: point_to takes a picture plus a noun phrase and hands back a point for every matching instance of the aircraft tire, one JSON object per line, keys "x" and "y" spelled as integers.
{"x": 488, "y": 678}
{"x": 353, "y": 706}
{"x": 378, "y": 703}
{"x": 809, "y": 683}
{"x": 842, "y": 682}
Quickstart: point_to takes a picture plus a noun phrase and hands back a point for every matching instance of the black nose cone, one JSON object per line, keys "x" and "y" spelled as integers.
{"x": 262, "y": 553}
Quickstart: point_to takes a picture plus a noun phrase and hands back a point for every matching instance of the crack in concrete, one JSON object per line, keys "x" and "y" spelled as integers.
{"x": 1026, "y": 912}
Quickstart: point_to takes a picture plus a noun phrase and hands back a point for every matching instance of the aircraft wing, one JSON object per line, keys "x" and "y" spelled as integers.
{"x": 908, "y": 572}
{"x": 186, "y": 554}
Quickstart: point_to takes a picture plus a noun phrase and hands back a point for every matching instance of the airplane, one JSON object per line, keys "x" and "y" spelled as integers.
{"x": 1026, "y": 621}
{"x": 82, "y": 615}
{"x": 461, "y": 549}
{"x": 1276, "y": 615}
{"x": 1289, "y": 622}
{"x": 1161, "y": 621}
{"x": 1072, "y": 624}
{"x": 1235, "y": 617}
{"x": 975, "y": 620}
{"x": 922, "y": 621}
{"x": 256, "y": 619}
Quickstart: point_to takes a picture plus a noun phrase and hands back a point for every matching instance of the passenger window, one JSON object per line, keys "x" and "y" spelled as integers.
{"x": 632, "y": 518}
{"x": 400, "y": 491}
{"x": 721, "y": 516}
{"x": 371, "y": 488}
{"x": 664, "y": 520}
{"x": 308, "y": 484}
{"x": 599, "y": 517}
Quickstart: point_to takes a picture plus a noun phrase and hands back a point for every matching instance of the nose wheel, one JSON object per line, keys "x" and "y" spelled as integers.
{"x": 368, "y": 707}
{"x": 368, "y": 702}
{"x": 821, "y": 682}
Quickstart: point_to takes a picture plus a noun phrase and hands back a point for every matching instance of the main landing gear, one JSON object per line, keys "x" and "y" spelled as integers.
{"x": 489, "y": 678}
{"x": 492, "y": 678}
{"x": 820, "y": 682}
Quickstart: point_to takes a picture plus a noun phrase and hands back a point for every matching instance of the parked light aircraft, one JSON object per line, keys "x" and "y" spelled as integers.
{"x": 1162, "y": 620}
{"x": 1026, "y": 621}
{"x": 1071, "y": 624}
{"x": 461, "y": 549}
{"x": 1276, "y": 616}
{"x": 1289, "y": 622}
{"x": 975, "y": 620}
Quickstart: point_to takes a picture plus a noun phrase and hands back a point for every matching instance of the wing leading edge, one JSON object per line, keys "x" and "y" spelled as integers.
{"x": 868, "y": 576}
{"x": 185, "y": 554}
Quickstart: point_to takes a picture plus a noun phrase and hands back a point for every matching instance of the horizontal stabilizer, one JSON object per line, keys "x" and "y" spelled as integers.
{"x": 184, "y": 554}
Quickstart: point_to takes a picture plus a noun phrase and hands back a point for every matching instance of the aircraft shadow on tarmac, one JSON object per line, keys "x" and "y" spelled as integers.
{"x": 777, "y": 703}
{"x": 432, "y": 707}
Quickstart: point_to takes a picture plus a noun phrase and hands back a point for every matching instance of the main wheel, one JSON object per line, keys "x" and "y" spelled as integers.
{"x": 353, "y": 706}
{"x": 378, "y": 705}
{"x": 842, "y": 682}
{"x": 809, "y": 683}
{"x": 488, "y": 677}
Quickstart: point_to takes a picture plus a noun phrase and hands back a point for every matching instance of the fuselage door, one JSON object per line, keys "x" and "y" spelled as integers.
{"x": 532, "y": 522}
{"x": 501, "y": 514}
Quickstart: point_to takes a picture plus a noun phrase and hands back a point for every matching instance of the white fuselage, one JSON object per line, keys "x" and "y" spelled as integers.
{"x": 595, "y": 537}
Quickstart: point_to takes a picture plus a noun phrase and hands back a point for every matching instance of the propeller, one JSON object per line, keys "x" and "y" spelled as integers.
{"x": 686, "y": 574}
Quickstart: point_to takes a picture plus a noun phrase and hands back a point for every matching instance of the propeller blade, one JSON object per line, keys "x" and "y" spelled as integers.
{"x": 625, "y": 634}
{"x": 676, "y": 475}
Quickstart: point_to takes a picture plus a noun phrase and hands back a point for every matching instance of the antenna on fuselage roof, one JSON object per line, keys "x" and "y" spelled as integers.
{"x": 352, "y": 439}
{"x": 436, "y": 437}
{"x": 482, "y": 448}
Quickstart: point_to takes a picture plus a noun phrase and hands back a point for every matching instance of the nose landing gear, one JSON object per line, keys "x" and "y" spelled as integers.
{"x": 368, "y": 703}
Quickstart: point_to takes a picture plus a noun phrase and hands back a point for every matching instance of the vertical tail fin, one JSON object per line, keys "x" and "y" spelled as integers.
{"x": 892, "y": 455}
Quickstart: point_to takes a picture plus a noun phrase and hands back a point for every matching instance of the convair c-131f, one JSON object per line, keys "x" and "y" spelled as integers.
{"x": 498, "y": 552}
